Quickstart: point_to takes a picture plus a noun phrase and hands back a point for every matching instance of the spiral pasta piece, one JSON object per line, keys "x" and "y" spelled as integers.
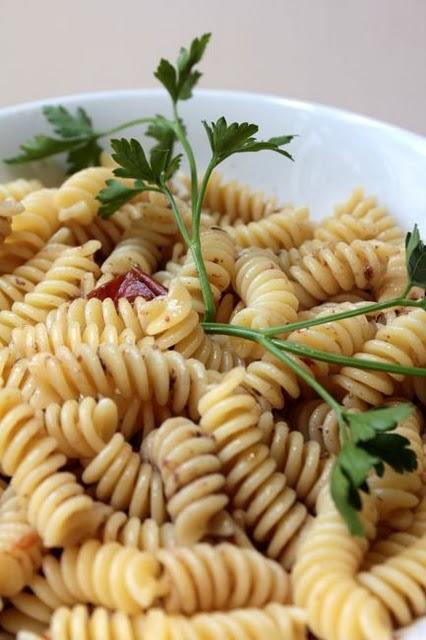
{"x": 76, "y": 198}
{"x": 282, "y": 230}
{"x": 341, "y": 337}
{"x": 142, "y": 243}
{"x": 218, "y": 251}
{"x": 192, "y": 476}
{"x": 82, "y": 427}
{"x": 27, "y": 340}
{"x": 302, "y": 463}
{"x": 402, "y": 341}
{"x": 148, "y": 374}
{"x": 345, "y": 228}
{"x": 20, "y": 544}
{"x": 8, "y": 209}
{"x": 146, "y": 535}
{"x": 317, "y": 422}
{"x": 331, "y": 270}
{"x": 398, "y": 583}
{"x": 325, "y": 584}
{"x": 126, "y": 482}
{"x": 57, "y": 507}
{"x": 31, "y": 229}
{"x": 107, "y": 232}
{"x": 100, "y": 313}
{"x": 61, "y": 283}
{"x": 220, "y": 578}
{"x": 108, "y": 574}
{"x": 18, "y": 189}
{"x": 175, "y": 324}
{"x": 235, "y": 202}
{"x": 23, "y": 279}
{"x": 274, "y": 621}
{"x": 253, "y": 483}
{"x": 366, "y": 209}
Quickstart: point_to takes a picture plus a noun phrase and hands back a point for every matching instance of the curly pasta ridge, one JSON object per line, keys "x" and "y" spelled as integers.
{"x": 324, "y": 579}
{"x": 125, "y": 481}
{"x": 235, "y": 202}
{"x": 18, "y": 189}
{"x": 192, "y": 475}
{"x": 23, "y": 279}
{"x": 282, "y": 230}
{"x": 76, "y": 197}
{"x": 253, "y": 483}
{"x": 219, "y": 578}
{"x": 274, "y": 621}
{"x": 57, "y": 506}
{"x": 302, "y": 463}
{"x": 31, "y": 229}
{"x": 81, "y": 427}
{"x": 60, "y": 283}
{"x": 218, "y": 251}
{"x": 20, "y": 544}
{"x": 345, "y": 228}
{"x": 331, "y": 270}
{"x": 148, "y": 374}
{"x": 401, "y": 341}
{"x": 175, "y": 324}
{"x": 366, "y": 209}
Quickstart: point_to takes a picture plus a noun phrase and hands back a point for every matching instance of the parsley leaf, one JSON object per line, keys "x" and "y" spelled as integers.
{"x": 225, "y": 140}
{"x": 116, "y": 194}
{"x": 346, "y": 500}
{"x": 76, "y": 135}
{"x": 180, "y": 80}
{"x": 66, "y": 125}
{"x": 134, "y": 163}
{"x": 365, "y": 425}
{"x": 415, "y": 252}
{"x": 368, "y": 450}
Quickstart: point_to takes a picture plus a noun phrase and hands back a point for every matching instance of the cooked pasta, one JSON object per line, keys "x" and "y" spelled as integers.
{"x": 57, "y": 506}
{"x": 20, "y": 544}
{"x": 31, "y": 229}
{"x": 125, "y": 481}
{"x": 61, "y": 283}
{"x": 325, "y": 579}
{"x": 159, "y": 482}
{"x": 253, "y": 483}
{"x": 175, "y": 324}
{"x": 401, "y": 341}
{"x": 236, "y": 203}
{"x": 282, "y": 230}
{"x": 274, "y": 621}
{"x": 192, "y": 477}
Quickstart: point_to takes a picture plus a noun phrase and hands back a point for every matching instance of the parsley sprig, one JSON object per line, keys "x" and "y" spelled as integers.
{"x": 75, "y": 136}
{"x": 152, "y": 171}
{"x": 368, "y": 441}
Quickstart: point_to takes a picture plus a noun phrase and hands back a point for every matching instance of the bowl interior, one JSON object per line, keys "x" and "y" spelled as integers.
{"x": 334, "y": 152}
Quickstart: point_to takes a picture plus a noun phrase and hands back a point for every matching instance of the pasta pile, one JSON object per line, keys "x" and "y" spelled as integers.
{"x": 161, "y": 483}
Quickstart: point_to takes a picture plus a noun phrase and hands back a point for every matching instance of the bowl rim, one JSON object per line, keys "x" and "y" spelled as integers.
{"x": 416, "y": 139}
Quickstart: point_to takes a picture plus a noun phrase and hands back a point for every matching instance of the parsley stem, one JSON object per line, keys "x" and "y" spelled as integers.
{"x": 189, "y": 153}
{"x": 125, "y": 125}
{"x": 196, "y": 216}
{"x": 178, "y": 216}
{"x": 206, "y": 290}
{"x": 361, "y": 310}
{"x": 313, "y": 354}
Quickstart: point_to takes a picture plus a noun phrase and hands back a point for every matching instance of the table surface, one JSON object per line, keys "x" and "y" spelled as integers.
{"x": 367, "y": 56}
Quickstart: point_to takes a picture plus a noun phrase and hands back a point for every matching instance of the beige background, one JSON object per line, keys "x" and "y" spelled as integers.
{"x": 368, "y": 56}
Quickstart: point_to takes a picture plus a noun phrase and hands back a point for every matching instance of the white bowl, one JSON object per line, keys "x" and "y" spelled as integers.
{"x": 334, "y": 151}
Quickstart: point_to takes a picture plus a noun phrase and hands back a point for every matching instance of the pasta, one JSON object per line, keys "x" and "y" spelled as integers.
{"x": 252, "y": 480}
{"x": 276, "y": 621}
{"x": 175, "y": 324}
{"x": 192, "y": 477}
{"x": 160, "y": 482}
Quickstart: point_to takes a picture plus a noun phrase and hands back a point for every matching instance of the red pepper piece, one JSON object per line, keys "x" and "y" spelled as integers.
{"x": 131, "y": 285}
